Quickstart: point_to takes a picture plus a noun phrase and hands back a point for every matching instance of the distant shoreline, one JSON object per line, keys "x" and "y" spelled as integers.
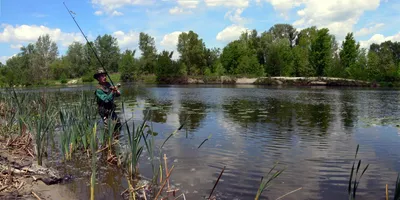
{"x": 273, "y": 81}
{"x": 232, "y": 80}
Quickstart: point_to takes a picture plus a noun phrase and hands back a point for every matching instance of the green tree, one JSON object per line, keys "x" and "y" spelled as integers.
{"x": 280, "y": 59}
{"x": 387, "y": 64}
{"x": 149, "y": 53}
{"x": 60, "y": 68}
{"x": 128, "y": 66}
{"x": 192, "y": 53}
{"x": 373, "y": 66}
{"x": 75, "y": 56}
{"x": 45, "y": 52}
{"x": 12, "y": 71}
{"x": 320, "y": 54}
{"x": 281, "y": 31}
{"x": 90, "y": 59}
{"x": 349, "y": 53}
{"x": 237, "y": 58}
{"x": 168, "y": 69}
{"x": 26, "y": 67}
{"x": 108, "y": 51}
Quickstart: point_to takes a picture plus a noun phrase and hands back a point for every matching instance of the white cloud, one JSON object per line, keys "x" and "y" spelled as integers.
{"x": 178, "y": 10}
{"x": 231, "y": 33}
{"x": 98, "y": 13}
{"x": 235, "y": 16}
{"x": 284, "y": 6}
{"x": 170, "y": 40}
{"x": 338, "y": 15}
{"x": 127, "y": 40}
{"x": 379, "y": 38}
{"x": 116, "y": 13}
{"x": 16, "y": 46}
{"x": 30, "y": 33}
{"x": 109, "y": 6}
{"x": 188, "y": 3}
{"x": 369, "y": 30}
{"x": 228, "y": 3}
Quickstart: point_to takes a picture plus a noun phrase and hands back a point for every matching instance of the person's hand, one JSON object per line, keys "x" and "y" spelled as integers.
{"x": 115, "y": 90}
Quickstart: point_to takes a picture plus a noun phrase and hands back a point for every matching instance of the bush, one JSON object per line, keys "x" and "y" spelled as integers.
{"x": 88, "y": 78}
{"x": 63, "y": 78}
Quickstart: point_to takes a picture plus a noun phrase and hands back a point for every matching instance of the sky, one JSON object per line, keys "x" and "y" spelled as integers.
{"x": 217, "y": 22}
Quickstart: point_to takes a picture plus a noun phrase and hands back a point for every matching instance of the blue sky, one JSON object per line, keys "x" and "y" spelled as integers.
{"x": 216, "y": 21}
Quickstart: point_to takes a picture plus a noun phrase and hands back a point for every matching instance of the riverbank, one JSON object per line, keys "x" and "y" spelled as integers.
{"x": 272, "y": 81}
{"x": 22, "y": 178}
{"x": 276, "y": 81}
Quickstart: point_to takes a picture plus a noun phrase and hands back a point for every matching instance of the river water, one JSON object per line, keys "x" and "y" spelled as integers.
{"x": 313, "y": 133}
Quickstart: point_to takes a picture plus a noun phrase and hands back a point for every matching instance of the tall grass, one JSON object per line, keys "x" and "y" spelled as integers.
{"x": 353, "y": 184}
{"x": 41, "y": 125}
{"x": 93, "y": 147}
{"x": 267, "y": 181}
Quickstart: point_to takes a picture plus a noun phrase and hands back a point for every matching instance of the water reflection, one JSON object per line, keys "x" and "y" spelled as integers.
{"x": 192, "y": 114}
{"x": 283, "y": 114}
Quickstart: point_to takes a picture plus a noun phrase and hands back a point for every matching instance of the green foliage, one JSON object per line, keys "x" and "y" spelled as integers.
{"x": 193, "y": 54}
{"x": 128, "y": 66}
{"x": 280, "y": 59}
{"x": 321, "y": 52}
{"x": 167, "y": 68}
{"x": 349, "y": 52}
{"x": 88, "y": 77}
{"x": 238, "y": 59}
{"x": 108, "y": 50}
{"x": 149, "y": 52}
{"x": 63, "y": 78}
{"x": 76, "y": 58}
{"x": 59, "y": 68}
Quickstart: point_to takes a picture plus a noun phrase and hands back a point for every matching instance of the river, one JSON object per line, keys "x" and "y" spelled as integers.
{"x": 312, "y": 132}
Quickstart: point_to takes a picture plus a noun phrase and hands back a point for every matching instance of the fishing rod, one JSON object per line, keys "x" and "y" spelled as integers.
{"x": 101, "y": 63}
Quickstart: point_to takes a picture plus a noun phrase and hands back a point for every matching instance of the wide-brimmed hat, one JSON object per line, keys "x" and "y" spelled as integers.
{"x": 99, "y": 72}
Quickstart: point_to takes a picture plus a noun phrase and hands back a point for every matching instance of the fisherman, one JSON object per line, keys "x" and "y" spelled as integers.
{"x": 105, "y": 94}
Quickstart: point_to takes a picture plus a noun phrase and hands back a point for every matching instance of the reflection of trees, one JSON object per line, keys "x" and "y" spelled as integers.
{"x": 347, "y": 100}
{"x": 192, "y": 114}
{"x": 158, "y": 110}
{"x": 284, "y": 114}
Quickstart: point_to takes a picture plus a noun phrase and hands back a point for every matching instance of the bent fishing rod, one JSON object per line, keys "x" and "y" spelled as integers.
{"x": 101, "y": 63}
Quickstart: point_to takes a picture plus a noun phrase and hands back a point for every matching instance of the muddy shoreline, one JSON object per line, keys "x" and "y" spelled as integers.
{"x": 27, "y": 183}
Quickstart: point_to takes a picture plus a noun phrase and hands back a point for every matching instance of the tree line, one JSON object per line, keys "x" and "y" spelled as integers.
{"x": 279, "y": 51}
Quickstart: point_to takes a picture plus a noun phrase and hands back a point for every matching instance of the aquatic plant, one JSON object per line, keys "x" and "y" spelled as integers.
{"x": 353, "y": 184}
{"x": 41, "y": 125}
{"x": 93, "y": 147}
{"x": 267, "y": 182}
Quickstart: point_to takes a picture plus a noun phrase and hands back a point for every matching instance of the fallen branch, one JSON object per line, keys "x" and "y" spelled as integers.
{"x": 34, "y": 194}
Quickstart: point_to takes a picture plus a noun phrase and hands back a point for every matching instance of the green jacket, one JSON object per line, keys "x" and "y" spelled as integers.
{"x": 105, "y": 99}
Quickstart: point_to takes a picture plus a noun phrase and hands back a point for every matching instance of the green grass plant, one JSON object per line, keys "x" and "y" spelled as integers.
{"x": 353, "y": 184}
{"x": 267, "y": 181}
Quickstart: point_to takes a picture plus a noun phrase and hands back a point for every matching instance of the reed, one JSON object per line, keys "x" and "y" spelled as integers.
{"x": 267, "y": 182}
{"x": 93, "y": 146}
{"x": 41, "y": 125}
{"x": 353, "y": 184}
